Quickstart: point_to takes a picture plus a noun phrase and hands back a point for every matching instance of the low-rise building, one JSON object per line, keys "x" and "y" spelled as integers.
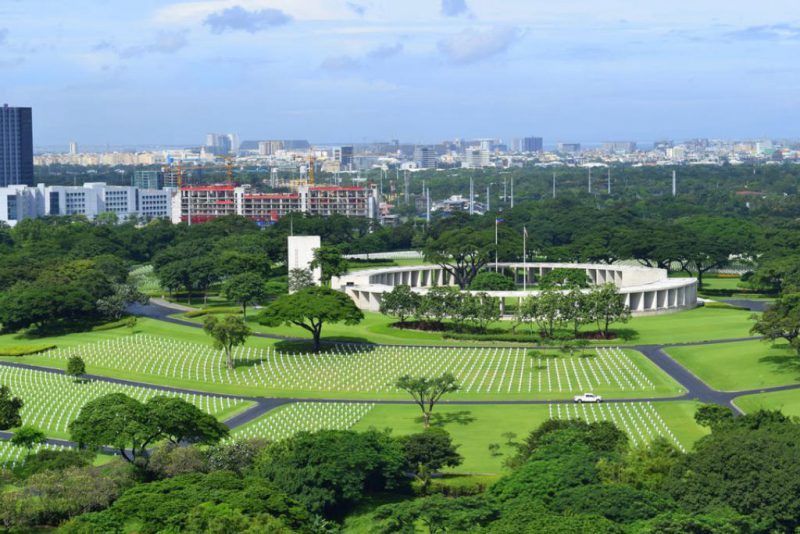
{"x": 196, "y": 204}
{"x": 90, "y": 200}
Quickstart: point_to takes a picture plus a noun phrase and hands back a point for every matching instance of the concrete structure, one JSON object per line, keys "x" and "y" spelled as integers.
{"x": 344, "y": 155}
{"x": 531, "y": 144}
{"x": 197, "y": 204}
{"x": 647, "y": 291}
{"x": 148, "y": 179}
{"x": 475, "y": 158}
{"x": 301, "y": 254}
{"x": 21, "y": 202}
{"x": 425, "y": 157}
{"x": 16, "y": 146}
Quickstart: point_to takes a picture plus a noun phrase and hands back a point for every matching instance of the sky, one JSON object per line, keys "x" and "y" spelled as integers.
{"x": 111, "y": 72}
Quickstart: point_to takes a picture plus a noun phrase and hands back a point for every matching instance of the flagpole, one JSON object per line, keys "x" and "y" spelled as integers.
{"x": 495, "y": 245}
{"x": 524, "y": 259}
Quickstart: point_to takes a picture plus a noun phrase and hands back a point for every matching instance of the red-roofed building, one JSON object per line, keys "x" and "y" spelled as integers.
{"x": 196, "y": 204}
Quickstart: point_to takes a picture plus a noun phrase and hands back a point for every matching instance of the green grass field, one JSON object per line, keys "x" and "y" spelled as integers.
{"x": 52, "y": 401}
{"x": 358, "y": 372}
{"x": 475, "y": 427}
{"x": 701, "y": 324}
{"x": 740, "y": 366}
{"x": 787, "y": 402}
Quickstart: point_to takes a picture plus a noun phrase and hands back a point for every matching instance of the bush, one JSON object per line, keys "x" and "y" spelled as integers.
{"x": 111, "y": 326}
{"x": 24, "y": 350}
{"x": 723, "y": 306}
{"x": 510, "y": 337}
{"x": 212, "y": 311}
{"x": 49, "y": 460}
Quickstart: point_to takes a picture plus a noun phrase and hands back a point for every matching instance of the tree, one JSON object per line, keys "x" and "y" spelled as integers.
{"x": 401, "y": 302}
{"x": 9, "y": 409}
{"x": 428, "y": 452}
{"x": 713, "y": 241}
{"x": 118, "y": 421}
{"x": 331, "y": 470}
{"x": 181, "y": 422}
{"x": 245, "y": 288}
{"x": 130, "y": 426}
{"x": 311, "y": 308}
{"x": 486, "y": 309}
{"x": 76, "y": 367}
{"x": 563, "y": 278}
{"x": 227, "y": 333}
{"x": 299, "y": 279}
{"x": 713, "y": 415}
{"x": 438, "y": 303}
{"x": 608, "y": 306}
{"x": 460, "y": 252}
{"x": 781, "y": 320}
{"x": 426, "y": 392}
{"x": 331, "y": 261}
{"x": 492, "y": 281}
{"x": 28, "y": 437}
{"x": 116, "y": 304}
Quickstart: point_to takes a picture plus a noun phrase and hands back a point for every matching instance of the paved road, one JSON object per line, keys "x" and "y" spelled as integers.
{"x": 695, "y": 388}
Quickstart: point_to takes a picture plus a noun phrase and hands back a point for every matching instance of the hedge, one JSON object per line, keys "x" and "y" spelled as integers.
{"x": 211, "y": 311}
{"x": 24, "y": 350}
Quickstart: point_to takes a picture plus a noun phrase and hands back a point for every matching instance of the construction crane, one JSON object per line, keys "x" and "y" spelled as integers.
{"x": 312, "y": 162}
{"x": 178, "y": 170}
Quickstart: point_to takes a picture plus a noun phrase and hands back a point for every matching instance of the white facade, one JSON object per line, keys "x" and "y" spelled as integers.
{"x": 647, "y": 291}
{"x": 90, "y": 200}
{"x": 301, "y": 254}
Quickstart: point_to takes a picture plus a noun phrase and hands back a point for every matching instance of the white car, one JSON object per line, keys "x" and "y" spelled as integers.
{"x": 588, "y": 397}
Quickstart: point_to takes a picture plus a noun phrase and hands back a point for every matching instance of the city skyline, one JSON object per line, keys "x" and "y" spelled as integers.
{"x": 357, "y": 71}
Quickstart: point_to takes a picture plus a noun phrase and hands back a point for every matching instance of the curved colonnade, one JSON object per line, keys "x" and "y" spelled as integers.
{"x": 647, "y": 290}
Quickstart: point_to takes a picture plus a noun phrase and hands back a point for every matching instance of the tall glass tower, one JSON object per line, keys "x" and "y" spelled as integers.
{"x": 16, "y": 146}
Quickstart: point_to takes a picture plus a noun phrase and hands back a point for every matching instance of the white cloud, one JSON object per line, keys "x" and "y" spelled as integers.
{"x": 471, "y": 45}
{"x": 239, "y": 19}
{"x": 454, "y": 8}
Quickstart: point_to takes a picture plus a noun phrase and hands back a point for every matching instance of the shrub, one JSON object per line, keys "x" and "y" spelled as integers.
{"x": 24, "y": 350}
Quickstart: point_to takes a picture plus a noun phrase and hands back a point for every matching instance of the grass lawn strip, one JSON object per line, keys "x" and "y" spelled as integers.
{"x": 741, "y": 366}
{"x": 787, "y": 402}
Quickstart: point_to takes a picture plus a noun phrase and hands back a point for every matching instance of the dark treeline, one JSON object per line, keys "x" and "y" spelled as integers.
{"x": 567, "y": 476}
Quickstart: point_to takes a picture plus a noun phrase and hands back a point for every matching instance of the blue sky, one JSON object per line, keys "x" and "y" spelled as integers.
{"x": 166, "y": 72}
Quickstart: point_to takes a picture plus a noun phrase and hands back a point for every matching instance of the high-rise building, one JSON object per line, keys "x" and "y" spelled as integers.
{"x": 344, "y": 155}
{"x": 73, "y": 148}
{"x": 218, "y": 144}
{"x": 475, "y": 158}
{"x": 569, "y": 148}
{"x": 425, "y": 157}
{"x": 531, "y": 144}
{"x": 16, "y": 146}
{"x": 620, "y": 147}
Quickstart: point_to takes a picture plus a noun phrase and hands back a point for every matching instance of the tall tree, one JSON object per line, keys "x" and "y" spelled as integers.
{"x": 28, "y": 437}
{"x": 331, "y": 261}
{"x": 781, "y": 320}
{"x": 460, "y": 252}
{"x": 76, "y": 367}
{"x": 227, "y": 333}
{"x": 400, "y": 302}
{"x": 607, "y": 306}
{"x": 427, "y": 392}
{"x": 9, "y": 409}
{"x": 245, "y": 289}
{"x": 311, "y": 308}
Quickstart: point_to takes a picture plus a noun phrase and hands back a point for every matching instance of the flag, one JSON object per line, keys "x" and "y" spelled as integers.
{"x": 525, "y": 232}
{"x": 498, "y": 221}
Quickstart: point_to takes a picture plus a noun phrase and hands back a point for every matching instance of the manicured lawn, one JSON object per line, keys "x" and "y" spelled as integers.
{"x": 740, "y": 366}
{"x": 787, "y": 402}
{"x": 474, "y": 427}
{"x": 700, "y": 324}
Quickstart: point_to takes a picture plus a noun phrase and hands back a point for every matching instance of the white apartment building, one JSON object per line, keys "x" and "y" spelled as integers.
{"x": 91, "y": 199}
